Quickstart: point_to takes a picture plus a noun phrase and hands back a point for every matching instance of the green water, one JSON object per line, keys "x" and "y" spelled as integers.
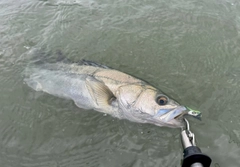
{"x": 190, "y": 49}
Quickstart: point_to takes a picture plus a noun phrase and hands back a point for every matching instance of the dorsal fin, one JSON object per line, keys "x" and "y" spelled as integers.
{"x": 91, "y": 63}
{"x": 39, "y": 56}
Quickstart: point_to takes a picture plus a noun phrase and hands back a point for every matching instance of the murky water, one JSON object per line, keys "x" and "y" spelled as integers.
{"x": 188, "y": 48}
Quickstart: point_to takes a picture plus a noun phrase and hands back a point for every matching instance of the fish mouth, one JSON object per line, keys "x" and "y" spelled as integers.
{"x": 171, "y": 117}
{"x": 175, "y": 114}
{"x": 174, "y": 117}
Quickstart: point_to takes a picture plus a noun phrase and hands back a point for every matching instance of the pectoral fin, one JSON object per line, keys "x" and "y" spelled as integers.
{"x": 99, "y": 92}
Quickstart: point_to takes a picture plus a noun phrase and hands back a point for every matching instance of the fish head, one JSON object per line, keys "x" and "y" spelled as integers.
{"x": 159, "y": 109}
{"x": 145, "y": 104}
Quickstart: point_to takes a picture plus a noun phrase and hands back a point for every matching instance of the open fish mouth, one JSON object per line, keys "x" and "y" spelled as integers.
{"x": 176, "y": 113}
{"x": 180, "y": 116}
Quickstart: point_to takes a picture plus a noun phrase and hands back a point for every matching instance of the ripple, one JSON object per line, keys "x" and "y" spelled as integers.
{"x": 190, "y": 49}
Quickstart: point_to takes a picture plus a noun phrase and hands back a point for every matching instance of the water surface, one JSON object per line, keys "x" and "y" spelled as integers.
{"x": 188, "y": 48}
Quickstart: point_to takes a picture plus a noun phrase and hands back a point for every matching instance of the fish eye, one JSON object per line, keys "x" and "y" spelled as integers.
{"x": 162, "y": 100}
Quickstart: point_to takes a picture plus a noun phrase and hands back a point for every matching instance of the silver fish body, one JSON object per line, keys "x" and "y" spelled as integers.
{"x": 100, "y": 88}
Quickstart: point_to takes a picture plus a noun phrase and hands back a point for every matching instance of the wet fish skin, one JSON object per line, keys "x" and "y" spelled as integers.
{"x": 94, "y": 86}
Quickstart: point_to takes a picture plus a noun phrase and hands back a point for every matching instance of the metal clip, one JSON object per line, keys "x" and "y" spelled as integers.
{"x": 188, "y": 138}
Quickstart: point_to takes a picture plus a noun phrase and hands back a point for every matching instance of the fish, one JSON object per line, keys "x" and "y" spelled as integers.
{"x": 94, "y": 86}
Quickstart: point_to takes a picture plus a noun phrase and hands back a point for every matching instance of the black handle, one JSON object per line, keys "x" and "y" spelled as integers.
{"x": 192, "y": 155}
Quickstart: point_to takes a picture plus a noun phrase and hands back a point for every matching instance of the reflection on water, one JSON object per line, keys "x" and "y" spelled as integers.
{"x": 189, "y": 49}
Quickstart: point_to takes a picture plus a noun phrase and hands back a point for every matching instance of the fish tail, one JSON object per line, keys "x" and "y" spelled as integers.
{"x": 33, "y": 84}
